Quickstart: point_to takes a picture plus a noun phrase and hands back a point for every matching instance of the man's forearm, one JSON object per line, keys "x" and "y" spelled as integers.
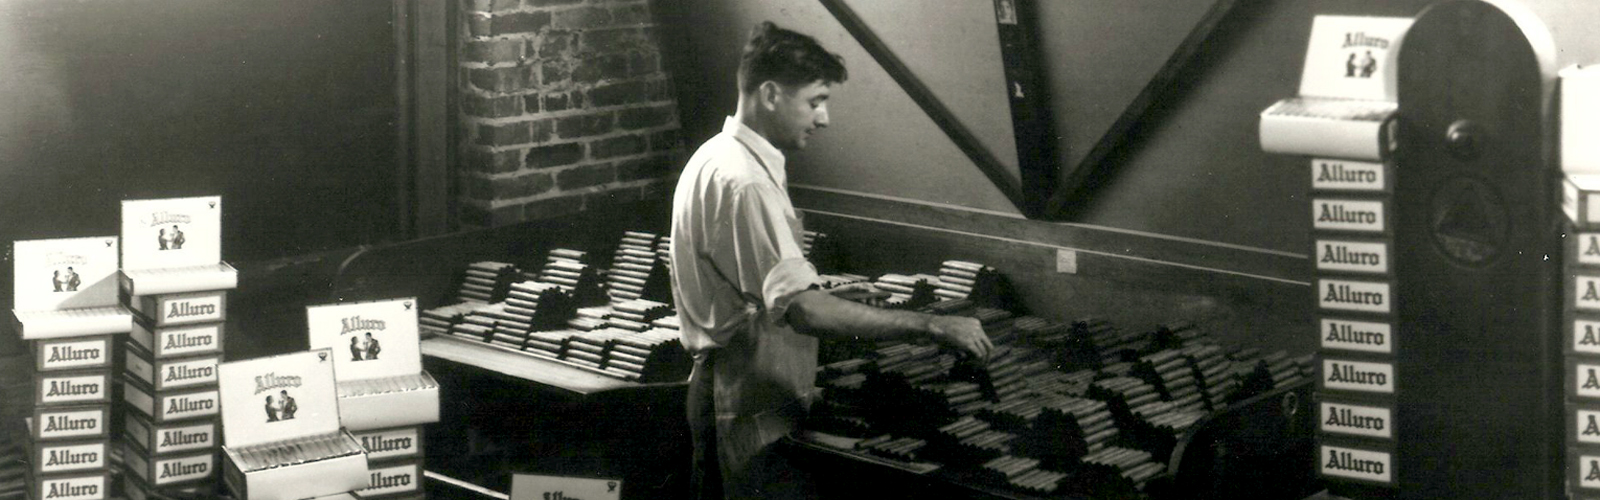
{"x": 820, "y": 314}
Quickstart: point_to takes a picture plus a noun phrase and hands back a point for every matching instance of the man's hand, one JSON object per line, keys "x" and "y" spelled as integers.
{"x": 962, "y": 333}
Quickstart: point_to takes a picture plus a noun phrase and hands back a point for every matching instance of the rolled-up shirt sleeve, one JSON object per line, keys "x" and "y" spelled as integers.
{"x": 767, "y": 258}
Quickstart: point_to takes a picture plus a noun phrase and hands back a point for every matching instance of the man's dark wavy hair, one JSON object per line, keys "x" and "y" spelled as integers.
{"x": 786, "y": 57}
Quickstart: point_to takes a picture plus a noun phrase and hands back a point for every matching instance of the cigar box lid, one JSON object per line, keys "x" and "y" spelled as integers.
{"x": 279, "y": 398}
{"x": 173, "y": 232}
{"x": 67, "y": 273}
{"x": 370, "y": 339}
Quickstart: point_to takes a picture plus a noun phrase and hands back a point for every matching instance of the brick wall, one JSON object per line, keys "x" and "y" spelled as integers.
{"x": 564, "y": 106}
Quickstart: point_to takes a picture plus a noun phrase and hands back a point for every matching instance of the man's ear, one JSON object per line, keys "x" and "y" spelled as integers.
{"x": 768, "y": 94}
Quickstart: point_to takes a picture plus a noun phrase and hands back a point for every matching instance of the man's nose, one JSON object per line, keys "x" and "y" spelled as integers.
{"x": 822, "y": 118}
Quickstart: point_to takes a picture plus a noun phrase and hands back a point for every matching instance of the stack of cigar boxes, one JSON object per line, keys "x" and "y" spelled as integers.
{"x": 66, "y": 307}
{"x": 175, "y": 282}
{"x": 385, "y": 397}
{"x": 280, "y": 420}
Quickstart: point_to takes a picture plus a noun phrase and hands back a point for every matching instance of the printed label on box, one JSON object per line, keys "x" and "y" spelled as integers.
{"x": 191, "y": 309}
{"x": 390, "y": 443}
{"x": 1588, "y": 380}
{"x": 171, "y": 438}
{"x": 179, "y": 341}
{"x": 1588, "y": 248}
{"x": 1357, "y": 420}
{"x": 179, "y": 232}
{"x": 1358, "y": 376}
{"x": 1347, "y": 175}
{"x": 1365, "y": 336}
{"x": 180, "y": 469}
{"x": 189, "y": 373}
{"x": 1586, "y": 336}
{"x": 191, "y": 405}
{"x": 1347, "y": 215}
{"x": 1352, "y": 256}
{"x": 1589, "y": 471}
{"x": 92, "y": 487}
{"x": 74, "y": 353}
{"x": 393, "y": 479}
{"x": 71, "y": 423}
{"x": 72, "y": 389}
{"x": 1361, "y": 296}
{"x": 70, "y": 273}
{"x": 1588, "y": 426}
{"x": 53, "y": 459}
{"x": 1366, "y": 465}
{"x": 368, "y": 339}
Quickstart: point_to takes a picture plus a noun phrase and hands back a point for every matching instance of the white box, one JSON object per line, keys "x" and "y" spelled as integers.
{"x": 174, "y": 245}
{"x": 67, "y": 287}
{"x": 179, "y": 308}
{"x": 90, "y": 485}
{"x": 168, "y": 406}
{"x": 171, "y": 469}
{"x": 280, "y": 420}
{"x": 179, "y": 341}
{"x": 378, "y": 362}
{"x": 170, "y": 373}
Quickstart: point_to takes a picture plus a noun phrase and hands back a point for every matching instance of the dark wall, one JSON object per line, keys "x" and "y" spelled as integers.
{"x": 1195, "y": 221}
{"x": 1193, "y": 169}
{"x": 286, "y": 109}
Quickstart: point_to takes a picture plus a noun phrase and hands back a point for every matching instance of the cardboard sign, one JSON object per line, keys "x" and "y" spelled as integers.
{"x": 179, "y": 232}
{"x": 534, "y": 487}
{"x": 65, "y": 273}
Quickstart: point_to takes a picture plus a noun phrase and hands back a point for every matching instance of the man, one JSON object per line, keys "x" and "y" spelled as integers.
{"x": 287, "y": 406}
{"x": 743, "y": 289}
{"x": 372, "y": 347}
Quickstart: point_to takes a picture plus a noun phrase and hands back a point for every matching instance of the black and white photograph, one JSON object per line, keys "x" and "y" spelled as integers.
{"x": 811, "y": 249}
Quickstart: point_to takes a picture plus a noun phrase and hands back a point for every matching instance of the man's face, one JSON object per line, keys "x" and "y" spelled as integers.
{"x": 798, "y": 112}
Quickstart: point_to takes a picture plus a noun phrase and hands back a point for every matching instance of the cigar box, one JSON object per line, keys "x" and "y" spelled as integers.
{"x": 377, "y": 361}
{"x": 178, "y": 341}
{"x": 1583, "y": 469}
{"x": 49, "y": 458}
{"x": 70, "y": 422}
{"x": 170, "y": 373}
{"x": 1359, "y": 462}
{"x": 87, "y": 485}
{"x": 72, "y": 353}
{"x": 171, "y": 469}
{"x": 173, "y": 309}
{"x": 1580, "y": 200}
{"x": 73, "y": 387}
{"x": 389, "y": 480}
{"x": 66, "y": 288}
{"x": 183, "y": 436}
{"x": 168, "y": 406}
{"x": 391, "y": 444}
{"x": 280, "y": 420}
{"x": 389, "y": 401}
{"x": 135, "y": 489}
{"x": 174, "y": 246}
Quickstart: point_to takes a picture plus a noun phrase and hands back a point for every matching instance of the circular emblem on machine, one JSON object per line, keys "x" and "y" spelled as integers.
{"x": 1468, "y": 221}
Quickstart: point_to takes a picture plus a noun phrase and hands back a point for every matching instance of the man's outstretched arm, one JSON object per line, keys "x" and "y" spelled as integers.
{"x": 820, "y": 314}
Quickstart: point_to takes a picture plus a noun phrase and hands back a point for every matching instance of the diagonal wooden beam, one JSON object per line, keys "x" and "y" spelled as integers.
{"x": 1075, "y": 185}
{"x": 931, "y": 105}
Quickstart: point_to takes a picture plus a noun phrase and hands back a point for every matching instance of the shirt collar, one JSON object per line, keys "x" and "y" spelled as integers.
{"x": 770, "y": 156}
